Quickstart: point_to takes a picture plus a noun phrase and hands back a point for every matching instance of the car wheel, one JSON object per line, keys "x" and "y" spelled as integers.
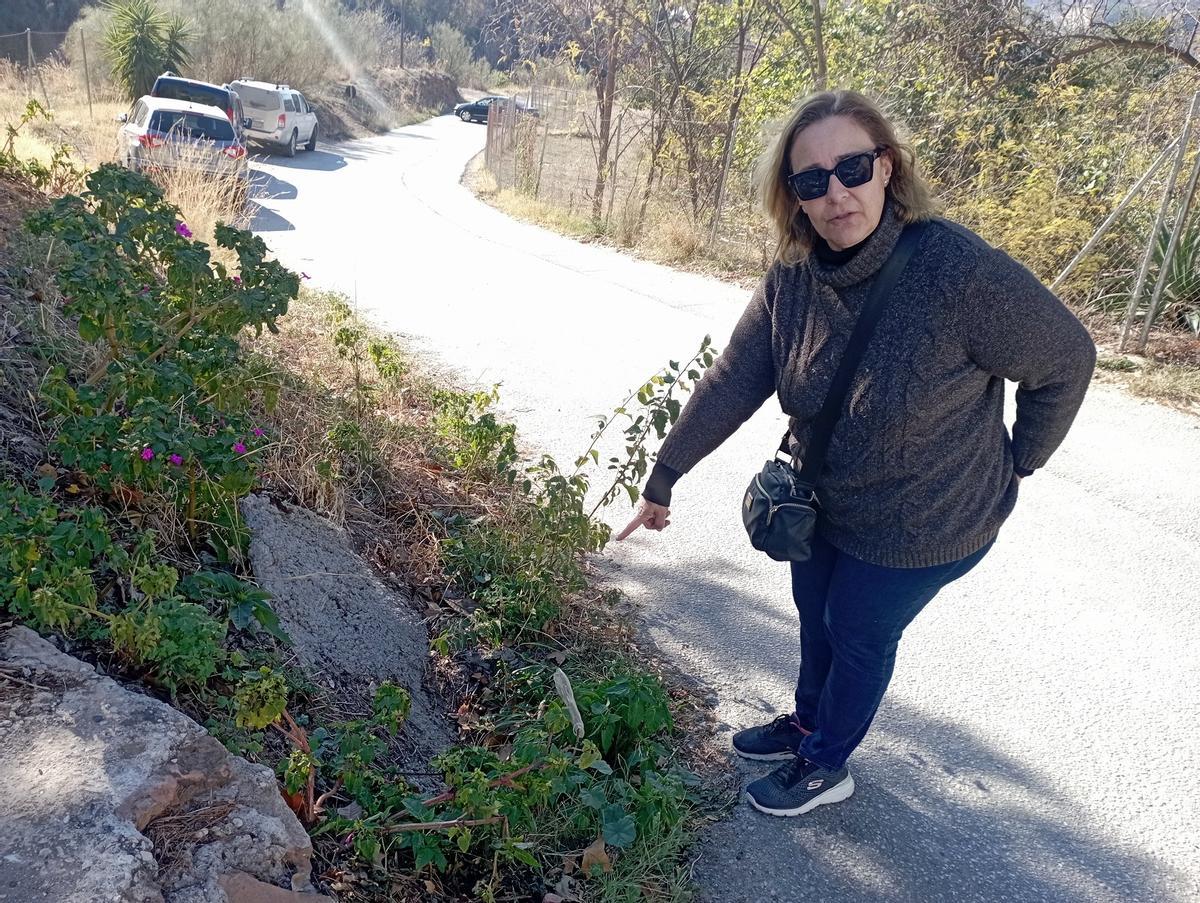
{"x": 312, "y": 140}
{"x": 464, "y": 116}
{"x": 290, "y": 150}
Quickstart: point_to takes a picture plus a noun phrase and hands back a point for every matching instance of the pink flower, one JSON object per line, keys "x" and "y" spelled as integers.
{"x": 145, "y": 290}
{"x": 182, "y": 229}
{"x": 239, "y": 448}
{"x": 258, "y": 431}
{"x": 176, "y": 460}
{"x": 237, "y": 280}
{"x": 147, "y": 454}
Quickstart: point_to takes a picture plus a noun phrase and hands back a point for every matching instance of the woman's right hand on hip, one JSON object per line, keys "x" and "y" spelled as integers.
{"x": 650, "y": 516}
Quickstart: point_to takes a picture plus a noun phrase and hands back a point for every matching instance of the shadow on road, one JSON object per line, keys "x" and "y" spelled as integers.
{"x": 263, "y": 219}
{"x": 264, "y": 185}
{"x": 939, "y": 813}
{"x": 321, "y": 160}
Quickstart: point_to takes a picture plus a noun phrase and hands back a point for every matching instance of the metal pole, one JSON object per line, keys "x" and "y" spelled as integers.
{"x": 1144, "y": 270}
{"x": 29, "y": 59}
{"x": 1172, "y": 245}
{"x": 402, "y": 10}
{"x": 87, "y": 74}
{"x": 1091, "y": 242}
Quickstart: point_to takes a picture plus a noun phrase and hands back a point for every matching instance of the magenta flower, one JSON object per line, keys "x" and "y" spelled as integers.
{"x": 258, "y": 431}
{"x": 145, "y": 290}
{"x": 237, "y": 280}
{"x": 182, "y": 229}
{"x": 147, "y": 454}
{"x": 239, "y": 448}
{"x": 176, "y": 460}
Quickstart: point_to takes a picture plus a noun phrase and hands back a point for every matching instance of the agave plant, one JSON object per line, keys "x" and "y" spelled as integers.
{"x": 141, "y": 42}
{"x": 1179, "y": 306}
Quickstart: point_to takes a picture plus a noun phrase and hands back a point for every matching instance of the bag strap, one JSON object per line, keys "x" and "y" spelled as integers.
{"x": 864, "y": 328}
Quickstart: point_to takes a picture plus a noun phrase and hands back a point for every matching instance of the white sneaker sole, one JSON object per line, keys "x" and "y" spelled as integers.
{"x": 764, "y": 757}
{"x": 835, "y": 794}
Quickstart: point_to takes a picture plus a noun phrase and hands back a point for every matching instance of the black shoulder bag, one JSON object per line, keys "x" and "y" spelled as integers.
{"x": 780, "y": 505}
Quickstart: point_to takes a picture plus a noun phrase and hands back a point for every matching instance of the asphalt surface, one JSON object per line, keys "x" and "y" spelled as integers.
{"x": 1041, "y": 737}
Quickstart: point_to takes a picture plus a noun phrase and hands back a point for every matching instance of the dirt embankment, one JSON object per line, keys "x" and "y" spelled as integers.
{"x": 388, "y": 99}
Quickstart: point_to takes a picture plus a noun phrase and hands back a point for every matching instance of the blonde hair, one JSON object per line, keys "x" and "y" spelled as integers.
{"x": 910, "y": 194}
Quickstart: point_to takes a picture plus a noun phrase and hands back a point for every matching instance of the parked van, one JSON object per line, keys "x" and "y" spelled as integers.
{"x": 175, "y": 87}
{"x": 277, "y": 116}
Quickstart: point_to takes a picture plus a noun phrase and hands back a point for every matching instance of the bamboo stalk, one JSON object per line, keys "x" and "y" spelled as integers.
{"x": 1172, "y": 246}
{"x": 1144, "y": 269}
{"x": 1117, "y": 211}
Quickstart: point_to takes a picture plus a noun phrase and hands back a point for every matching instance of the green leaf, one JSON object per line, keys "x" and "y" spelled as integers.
{"x": 269, "y": 621}
{"x": 618, "y": 825}
{"x": 593, "y": 797}
{"x": 89, "y": 329}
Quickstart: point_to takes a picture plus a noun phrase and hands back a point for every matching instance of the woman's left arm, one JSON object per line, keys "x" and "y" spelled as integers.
{"x": 1017, "y": 329}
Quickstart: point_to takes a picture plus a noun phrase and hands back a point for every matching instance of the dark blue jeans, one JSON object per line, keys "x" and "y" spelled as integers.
{"x": 851, "y": 617}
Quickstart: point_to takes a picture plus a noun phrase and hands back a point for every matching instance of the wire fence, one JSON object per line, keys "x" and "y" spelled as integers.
{"x": 1135, "y": 257}
{"x": 38, "y": 60}
{"x": 545, "y": 143}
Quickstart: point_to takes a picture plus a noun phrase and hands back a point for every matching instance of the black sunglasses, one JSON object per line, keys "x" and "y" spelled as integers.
{"x": 811, "y": 184}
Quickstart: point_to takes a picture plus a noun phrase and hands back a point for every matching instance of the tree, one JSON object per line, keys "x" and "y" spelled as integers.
{"x": 142, "y": 42}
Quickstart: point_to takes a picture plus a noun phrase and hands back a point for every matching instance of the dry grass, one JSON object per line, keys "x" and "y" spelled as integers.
{"x": 91, "y": 132}
{"x": 351, "y": 443}
{"x": 1174, "y": 384}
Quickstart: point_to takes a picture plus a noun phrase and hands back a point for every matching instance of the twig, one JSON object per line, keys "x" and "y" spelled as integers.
{"x": 440, "y": 825}
{"x": 5, "y": 675}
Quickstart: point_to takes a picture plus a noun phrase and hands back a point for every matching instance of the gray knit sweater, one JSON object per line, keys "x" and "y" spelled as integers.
{"x": 920, "y": 467}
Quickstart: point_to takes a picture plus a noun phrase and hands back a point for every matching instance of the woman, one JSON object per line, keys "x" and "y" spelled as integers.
{"x": 921, "y": 471}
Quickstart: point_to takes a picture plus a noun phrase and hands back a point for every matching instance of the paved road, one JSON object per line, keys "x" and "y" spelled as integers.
{"x": 1041, "y": 739}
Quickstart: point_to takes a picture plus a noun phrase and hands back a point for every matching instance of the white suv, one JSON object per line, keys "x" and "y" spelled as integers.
{"x": 277, "y": 115}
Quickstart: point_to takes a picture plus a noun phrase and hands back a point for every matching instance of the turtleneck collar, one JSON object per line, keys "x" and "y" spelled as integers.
{"x": 867, "y": 258}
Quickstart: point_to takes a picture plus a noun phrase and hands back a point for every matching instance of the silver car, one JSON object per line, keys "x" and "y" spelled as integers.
{"x": 160, "y": 133}
{"x": 277, "y": 116}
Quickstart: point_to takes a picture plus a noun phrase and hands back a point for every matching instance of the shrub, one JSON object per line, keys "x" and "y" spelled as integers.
{"x": 141, "y": 42}
{"x": 161, "y": 424}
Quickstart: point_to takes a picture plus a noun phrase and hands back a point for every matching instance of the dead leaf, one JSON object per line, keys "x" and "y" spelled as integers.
{"x": 295, "y": 801}
{"x": 430, "y": 887}
{"x": 558, "y": 657}
{"x": 595, "y": 854}
{"x": 552, "y": 898}
{"x": 48, "y": 470}
{"x": 570, "y": 863}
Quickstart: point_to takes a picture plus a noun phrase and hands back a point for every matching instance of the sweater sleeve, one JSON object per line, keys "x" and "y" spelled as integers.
{"x": 1017, "y": 329}
{"x": 731, "y": 390}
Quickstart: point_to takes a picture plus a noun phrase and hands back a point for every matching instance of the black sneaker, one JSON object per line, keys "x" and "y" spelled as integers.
{"x": 799, "y": 786}
{"x": 778, "y": 740}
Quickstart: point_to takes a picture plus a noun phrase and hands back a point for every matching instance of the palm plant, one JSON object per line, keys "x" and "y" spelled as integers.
{"x": 141, "y": 42}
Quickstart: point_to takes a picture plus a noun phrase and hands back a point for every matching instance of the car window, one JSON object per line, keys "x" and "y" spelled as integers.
{"x": 299, "y": 102}
{"x": 259, "y": 99}
{"x": 192, "y": 125}
{"x": 288, "y": 104}
{"x": 191, "y": 92}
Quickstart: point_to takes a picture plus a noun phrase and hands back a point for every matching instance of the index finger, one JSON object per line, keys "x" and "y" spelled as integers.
{"x": 631, "y": 526}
